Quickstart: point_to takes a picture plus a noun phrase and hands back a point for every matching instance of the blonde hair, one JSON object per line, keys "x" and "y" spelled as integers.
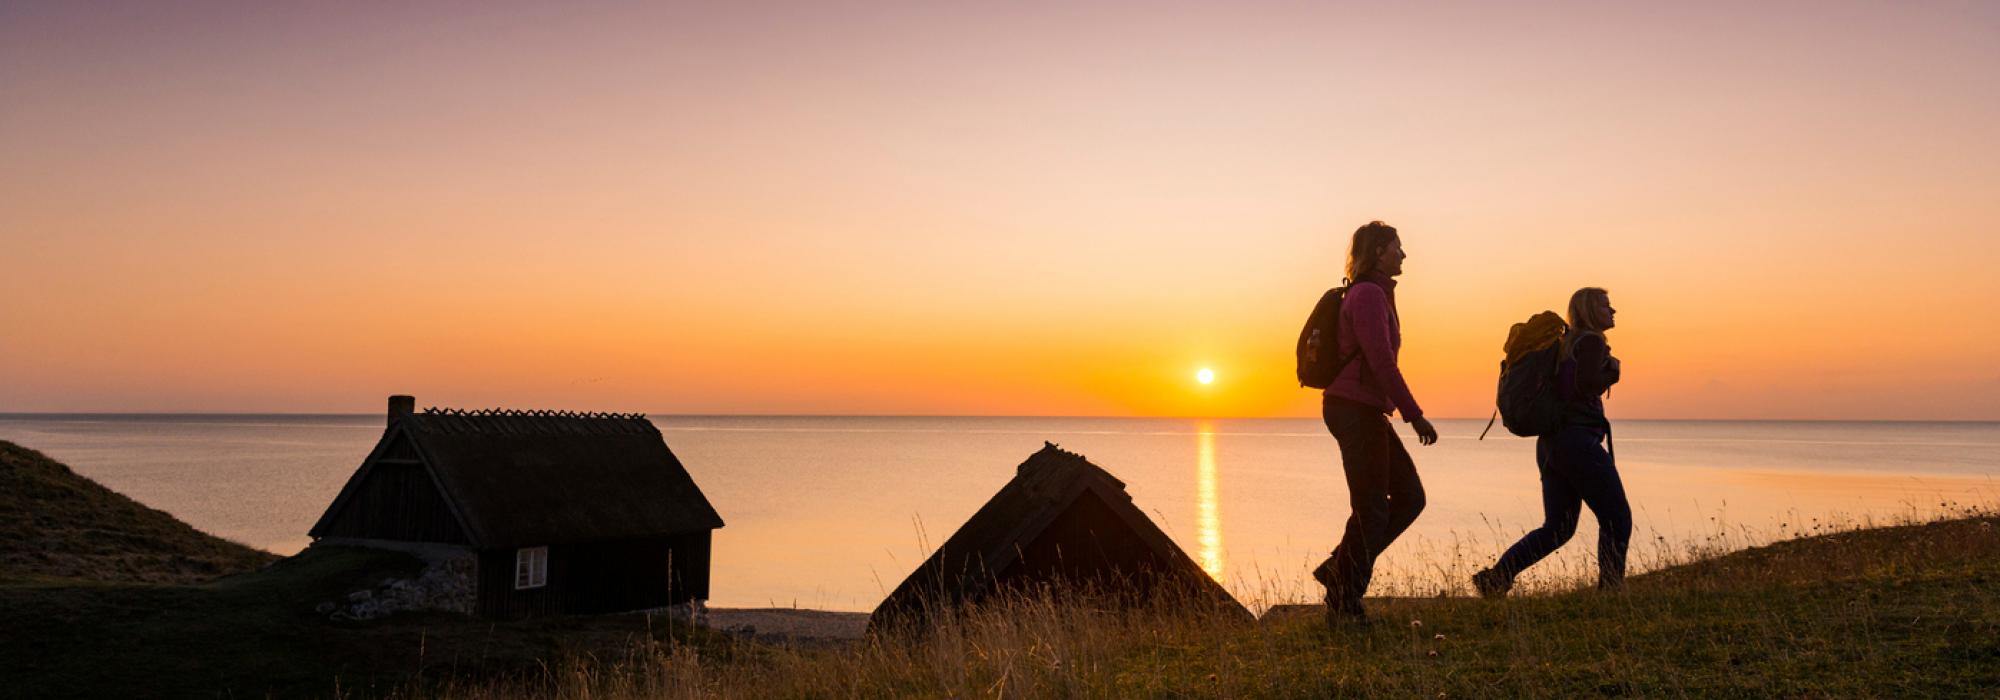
{"x": 1583, "y": 316}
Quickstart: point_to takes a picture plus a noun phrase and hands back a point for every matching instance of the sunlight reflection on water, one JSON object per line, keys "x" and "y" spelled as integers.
{"x": 1208, "y": 519}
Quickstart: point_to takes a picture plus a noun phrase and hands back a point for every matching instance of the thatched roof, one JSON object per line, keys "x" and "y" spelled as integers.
{"x": 526, "y": 478}
{"x": 1060, "y": 518}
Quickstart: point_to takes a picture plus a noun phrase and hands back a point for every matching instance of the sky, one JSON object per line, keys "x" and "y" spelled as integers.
{"x": 987, "y": 208}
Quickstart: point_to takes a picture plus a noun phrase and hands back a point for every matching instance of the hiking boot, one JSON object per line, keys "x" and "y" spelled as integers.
{"x": 1324, "y": 575}
{"x": 1491, "y": 583}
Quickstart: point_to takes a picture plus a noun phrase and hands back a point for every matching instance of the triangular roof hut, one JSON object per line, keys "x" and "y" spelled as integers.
{"x": 1061, "y": 519}
{"x": 566, "y": 512}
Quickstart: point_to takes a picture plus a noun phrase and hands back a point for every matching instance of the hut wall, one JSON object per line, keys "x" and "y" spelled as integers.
{"x": 397, "y": 501}
{"x": 600, "y": 577}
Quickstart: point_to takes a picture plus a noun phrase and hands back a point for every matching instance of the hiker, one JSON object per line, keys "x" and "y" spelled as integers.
{"x": 1576, "y": 469}
{"x": 1382, "y": 484}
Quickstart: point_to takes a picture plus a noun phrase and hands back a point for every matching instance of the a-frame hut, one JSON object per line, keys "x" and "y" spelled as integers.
{"x": 1060, "y": 520}
{"x": 563, "y": 512}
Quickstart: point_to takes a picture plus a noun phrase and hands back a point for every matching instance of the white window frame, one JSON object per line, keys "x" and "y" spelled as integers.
{"x": 531, "y": 568}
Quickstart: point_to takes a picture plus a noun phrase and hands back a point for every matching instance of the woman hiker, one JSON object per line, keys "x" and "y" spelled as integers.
{"x": 1382, "y": 484}
{"x": 1576, "y": 469}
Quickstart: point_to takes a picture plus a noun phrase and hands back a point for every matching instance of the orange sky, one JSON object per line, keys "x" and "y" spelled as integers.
{"x": 1046, "y": 209}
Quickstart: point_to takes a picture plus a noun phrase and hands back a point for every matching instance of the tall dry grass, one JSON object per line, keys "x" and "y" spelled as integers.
{"x": 1838, "y": 606}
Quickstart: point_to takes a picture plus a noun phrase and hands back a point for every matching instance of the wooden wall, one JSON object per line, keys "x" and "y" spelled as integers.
{"x": 397, "y": 501}
{"x": 600, "y": 577}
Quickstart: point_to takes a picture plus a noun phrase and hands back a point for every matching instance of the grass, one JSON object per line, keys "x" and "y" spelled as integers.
{"x": 1900, "y": 611}
{"x": 256, "y": 634}
{"x": 56, "y": 524}
{"x": 101, "y": 596}
{"x": 1910, "y": 609}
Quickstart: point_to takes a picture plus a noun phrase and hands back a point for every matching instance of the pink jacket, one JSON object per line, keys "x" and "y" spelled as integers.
{"x": 1368, "y": 321}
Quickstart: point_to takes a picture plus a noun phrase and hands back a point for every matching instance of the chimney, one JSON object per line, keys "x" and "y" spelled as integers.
{"x": 401, "y": 407}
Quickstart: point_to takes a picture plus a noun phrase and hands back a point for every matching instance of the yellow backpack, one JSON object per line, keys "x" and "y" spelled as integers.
{"x": 1528, "y": 401}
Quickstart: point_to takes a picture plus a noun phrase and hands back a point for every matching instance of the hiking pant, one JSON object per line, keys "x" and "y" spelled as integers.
{"x": 1382, "y": 488}
{"x": 1576, "y": 471}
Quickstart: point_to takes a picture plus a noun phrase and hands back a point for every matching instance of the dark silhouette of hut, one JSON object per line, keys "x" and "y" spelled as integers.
{"x": 1061, "y": 522}
{"x": 564, "y": 512}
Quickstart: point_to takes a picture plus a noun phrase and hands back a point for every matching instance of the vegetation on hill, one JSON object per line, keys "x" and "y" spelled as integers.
{"x": 1908, "y": 610}
{"x": 55, "y": 523}
{"x": 259, "y": 634}
{"x": 103, "y": 597}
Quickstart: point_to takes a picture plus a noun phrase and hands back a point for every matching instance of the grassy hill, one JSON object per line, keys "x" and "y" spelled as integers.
{"x": 257, "y": 633}
{"x": 1909, "y": 611}
{"x": 1906, "y": 611}
{"x": 57, "y": 524}
{"x": 104, "y": 597}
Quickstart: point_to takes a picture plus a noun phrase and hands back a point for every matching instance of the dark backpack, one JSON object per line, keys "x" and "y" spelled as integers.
{"x": 1528, "y": 401}
{"x": 1317, "y": 365}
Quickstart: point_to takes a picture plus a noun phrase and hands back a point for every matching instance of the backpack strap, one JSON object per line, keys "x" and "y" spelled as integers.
{"x": 1366, "y": 372}
{"x": 1341, "y": 365}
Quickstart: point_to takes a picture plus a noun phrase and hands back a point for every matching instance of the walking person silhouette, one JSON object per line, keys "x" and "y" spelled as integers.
{"x": 1382, "y": 484}
{"x": 1575, "y": 467}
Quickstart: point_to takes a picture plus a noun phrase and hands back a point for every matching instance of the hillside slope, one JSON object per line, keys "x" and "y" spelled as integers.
{"x": 1902, "y": 611}
{"x": 57, "y": 524}
{"x": 258, "y": 635}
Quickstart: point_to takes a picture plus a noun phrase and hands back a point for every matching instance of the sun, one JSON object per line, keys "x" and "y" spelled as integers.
{"x": 1205, "y": 376}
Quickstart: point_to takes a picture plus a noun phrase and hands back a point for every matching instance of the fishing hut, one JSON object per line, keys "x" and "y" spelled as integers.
{"x": 1061, "y": 523}
{"x": 559, "y": 512}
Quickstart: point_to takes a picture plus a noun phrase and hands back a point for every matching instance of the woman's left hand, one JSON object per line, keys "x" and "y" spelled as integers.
{"x": 1426, "y": 434}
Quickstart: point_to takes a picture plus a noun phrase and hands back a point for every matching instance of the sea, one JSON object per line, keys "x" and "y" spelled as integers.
{"x": 831, "y": 513}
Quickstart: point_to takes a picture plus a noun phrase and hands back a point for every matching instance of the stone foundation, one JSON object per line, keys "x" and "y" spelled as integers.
{"x": 447, "y": 583}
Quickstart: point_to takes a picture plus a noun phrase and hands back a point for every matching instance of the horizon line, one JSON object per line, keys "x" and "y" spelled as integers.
{"x": 352, "y": 414}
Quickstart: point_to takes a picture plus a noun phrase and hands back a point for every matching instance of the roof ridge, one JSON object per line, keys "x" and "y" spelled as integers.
{"x": 530, "y": 422}
{"x": 1053, "y": 463}
{"x": 530, "y": 413}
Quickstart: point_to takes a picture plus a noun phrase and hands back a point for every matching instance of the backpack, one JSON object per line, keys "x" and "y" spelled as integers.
{"x": 1528, "y": 401}
{"x": 1317, "y": 365}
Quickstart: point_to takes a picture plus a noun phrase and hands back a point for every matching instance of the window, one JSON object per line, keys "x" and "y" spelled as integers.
{"x": 531, "y": 568}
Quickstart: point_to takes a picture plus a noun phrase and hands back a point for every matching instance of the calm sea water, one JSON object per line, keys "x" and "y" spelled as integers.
{"x": 831, "y": 512}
